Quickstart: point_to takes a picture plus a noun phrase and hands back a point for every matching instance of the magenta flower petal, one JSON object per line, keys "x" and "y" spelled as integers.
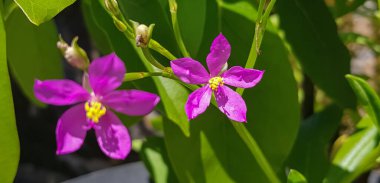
{"x": 131, "y": 102}
{"x": 231, "y": 104}
{"x": 71, "y": 130}
{"x": 59, "y": 92}
{"x": 112, "y": 136}
{"x": 243, "y": 78}
{"x": 106, "y": 73}
{"x": 219, "y": 53}
{"x": 190, "y": 71}
{"x": 198, "y": 102}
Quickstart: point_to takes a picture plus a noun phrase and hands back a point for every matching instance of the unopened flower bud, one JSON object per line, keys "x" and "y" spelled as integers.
{"x": 143, "y": 34}
{"x": 112, "y": 7}
{"x": 62, "y": 45}
{"x": 74, "y": 54}
{"x": 119, "y": 24}
{"x": 173, "y": 6}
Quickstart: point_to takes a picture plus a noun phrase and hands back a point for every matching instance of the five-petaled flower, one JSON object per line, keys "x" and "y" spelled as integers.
{"x": 229, "y": 102}
{"x": 96, "y": 97}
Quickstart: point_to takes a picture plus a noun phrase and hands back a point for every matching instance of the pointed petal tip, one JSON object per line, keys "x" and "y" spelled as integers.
{"x": 220, "y": 35}
{"x": 118, "y": 156}
{"x": 189, "y": 118}
{"x": 113, "y": 137}
{"x": 58, "y": 152}
{"x": 62, "y": 152}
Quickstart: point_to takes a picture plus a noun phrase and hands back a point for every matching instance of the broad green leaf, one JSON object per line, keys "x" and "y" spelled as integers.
{"x": 9, "y": 144}
{"x": 296, "y": 177}
{"x": 40, "y": 11}
{"x": 154, "y": 155}
{"x": 356, "y": 155}
{"x": 367, "y": 97}
{"x": 217, "y": 153}
{"x": 312, "y": 33}
{"x": 172, "y": 94}
{"x": 191, "y": 19}
{"x": 32, "y": 52}
{"x": 174, "y": 97}
{"x": 310, "y": 152}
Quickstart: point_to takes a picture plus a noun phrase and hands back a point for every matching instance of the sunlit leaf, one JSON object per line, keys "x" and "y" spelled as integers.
{"x": 153, "y": 153}
{"x": 356, "y": 154}
{"x": 296, "y": 177}
{"x": 9, "y": 144}
{"x": 367, "y": 97}
{"x": 40, "y": 11}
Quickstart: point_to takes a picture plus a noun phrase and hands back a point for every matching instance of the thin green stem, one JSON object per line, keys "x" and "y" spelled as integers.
{"x": 151, "y": 59}
{"x": 132, "y": 76}
{"x": 256, "y": 151}
{"x": 219, "y": 3}
{"x": 261, "y": 23}
{"x": 176, "y": 29}
{"x": 256, "y": 43}
{"x": 156, "y": 46}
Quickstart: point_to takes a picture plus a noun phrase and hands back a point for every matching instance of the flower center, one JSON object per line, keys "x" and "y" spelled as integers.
{"x": 215, "y": 82}
{"x": 94, "y": 110}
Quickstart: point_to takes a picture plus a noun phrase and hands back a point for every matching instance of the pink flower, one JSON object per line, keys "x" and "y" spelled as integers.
{"x": 105, "y": 74}
{"x": 229, "y": 102}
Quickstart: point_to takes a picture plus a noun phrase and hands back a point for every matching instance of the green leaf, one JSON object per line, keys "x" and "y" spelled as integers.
{"x": 9, "y": 144}
{"x": 154, "y": 155}
{"x": 191, "y": 18}
{"x": 40, "y": 11}
{"x": 315, "y": 42}
{"x": 174, "y": 95}
{"x": 242, "y": 8}
{"x": 357, "y": 153}
{"x": 296, "y": 177}
{"x": 217, "y": 153}
{"x": 367, "y": 97}
{"x": 32, "y": 52}
{"x": 310, "y": 152}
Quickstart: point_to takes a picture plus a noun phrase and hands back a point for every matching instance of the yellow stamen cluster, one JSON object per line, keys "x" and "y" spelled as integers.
{"x": 215, "y": 82}
{"x": 94, "y": 111}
